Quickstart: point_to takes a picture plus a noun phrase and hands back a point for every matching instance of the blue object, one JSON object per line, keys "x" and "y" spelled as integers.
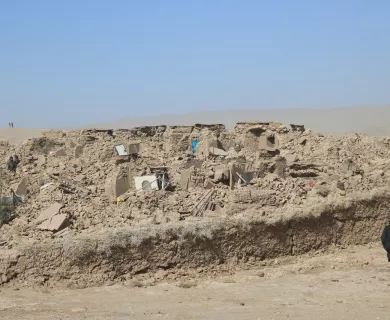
{"x": 193, "y": 145}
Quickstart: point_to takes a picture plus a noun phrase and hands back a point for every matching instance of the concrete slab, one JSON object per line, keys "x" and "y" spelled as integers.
{"x": 49, "y": 213}
{"x": 56, "y": 223}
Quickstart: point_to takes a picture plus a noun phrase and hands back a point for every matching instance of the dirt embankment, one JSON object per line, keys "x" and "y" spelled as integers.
{"x": 117, "y": 254}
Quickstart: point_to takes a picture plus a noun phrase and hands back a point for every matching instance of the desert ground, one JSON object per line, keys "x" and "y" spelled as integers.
{"x": 18, "y": 135}
{"x": 350, "y": 283}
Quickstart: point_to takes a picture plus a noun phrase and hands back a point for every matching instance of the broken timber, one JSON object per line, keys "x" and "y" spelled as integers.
{"x": 201, "y": 206}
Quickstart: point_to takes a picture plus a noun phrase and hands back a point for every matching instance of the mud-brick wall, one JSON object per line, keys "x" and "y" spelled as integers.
{"x": 177, "y": 139}
{"x": 89, "y": 260}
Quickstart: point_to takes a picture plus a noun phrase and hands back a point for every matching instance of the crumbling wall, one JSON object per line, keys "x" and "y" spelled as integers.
{"x": 177, "y": 139}
{"x": 88, "y": 260}
{"x": 147, "y": 131}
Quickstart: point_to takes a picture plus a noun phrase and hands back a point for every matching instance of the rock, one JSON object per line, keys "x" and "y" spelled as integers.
{"x": 41, "y": 160}
{"x": 209, "y": 185}
{"x": 302, "y": 141}
{"x": 49, "y": 213}
{"x": 21, "y": 189}
{"x": 173, "y": 216}
{"x": 78, "y": 151}
{"x": 3, "y": 279}
{"x": 56, "y": 223}
{"x": 290, "y": 159}
{"x": 340, "y": 185}
{"x": 60, "y": 153}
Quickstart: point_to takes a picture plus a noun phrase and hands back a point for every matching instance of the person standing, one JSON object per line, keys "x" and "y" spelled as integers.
{"x": 386, "y": 238}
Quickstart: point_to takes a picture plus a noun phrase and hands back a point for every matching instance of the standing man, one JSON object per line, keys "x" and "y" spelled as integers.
{"x": 11, "y": 164}
{"x": 386, "y": 239}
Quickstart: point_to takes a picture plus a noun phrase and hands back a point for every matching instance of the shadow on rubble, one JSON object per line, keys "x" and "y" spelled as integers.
{"x": 7, "y": 210}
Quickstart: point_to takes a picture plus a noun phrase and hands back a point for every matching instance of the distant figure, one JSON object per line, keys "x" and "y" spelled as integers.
{"x": 9, "y": 124}
{"x": 11, "y": 165}
{"x": 12, "y": 124}
{"x": 386, "y": 239}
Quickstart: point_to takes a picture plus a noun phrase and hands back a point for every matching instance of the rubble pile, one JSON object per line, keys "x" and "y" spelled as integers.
{"x": 83, "y": 181}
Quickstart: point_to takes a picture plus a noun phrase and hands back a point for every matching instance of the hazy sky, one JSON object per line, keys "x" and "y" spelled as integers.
{"x": 79, "y": 62}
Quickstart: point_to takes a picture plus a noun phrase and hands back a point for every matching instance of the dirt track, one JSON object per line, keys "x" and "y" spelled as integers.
{"x": 353, "y": 283}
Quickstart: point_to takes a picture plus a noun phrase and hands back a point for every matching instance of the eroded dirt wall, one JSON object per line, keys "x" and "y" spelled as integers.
{"x": 117, "y": 254}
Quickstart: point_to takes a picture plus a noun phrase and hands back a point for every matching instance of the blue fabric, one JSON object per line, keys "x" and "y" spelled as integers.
{"x": 193, "y": 145}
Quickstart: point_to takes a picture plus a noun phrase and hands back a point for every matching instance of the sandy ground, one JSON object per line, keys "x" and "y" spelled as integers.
{"x": 352, "y": 283}
{"x": 18, "y": 135}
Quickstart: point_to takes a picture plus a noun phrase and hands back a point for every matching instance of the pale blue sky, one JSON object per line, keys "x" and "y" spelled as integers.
{"x": 79, "y": 62}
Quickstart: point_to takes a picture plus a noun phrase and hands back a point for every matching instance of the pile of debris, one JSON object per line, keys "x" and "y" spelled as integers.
{"x": 82, "y": 181}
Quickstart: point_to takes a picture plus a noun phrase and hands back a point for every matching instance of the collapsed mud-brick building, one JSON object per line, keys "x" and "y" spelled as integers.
{"x": 88, "y": 184}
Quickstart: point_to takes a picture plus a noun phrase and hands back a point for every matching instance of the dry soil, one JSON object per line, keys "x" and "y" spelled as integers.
{"x": 18, "y": 135}
{"x": 351, "y": 283}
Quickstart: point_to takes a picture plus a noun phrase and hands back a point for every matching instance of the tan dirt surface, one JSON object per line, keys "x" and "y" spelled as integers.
{"x": 351, "y": 283}
{"x": 18, "y": 135}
